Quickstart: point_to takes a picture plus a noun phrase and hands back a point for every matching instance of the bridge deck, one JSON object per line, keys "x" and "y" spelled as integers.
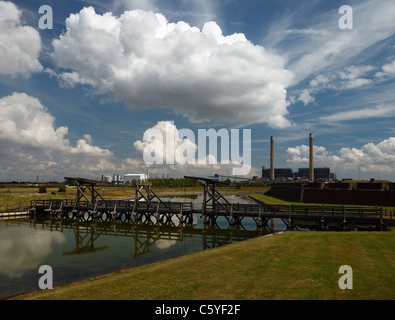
{"x": 260, "y": 212}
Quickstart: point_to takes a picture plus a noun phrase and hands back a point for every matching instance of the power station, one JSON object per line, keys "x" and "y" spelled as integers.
{"x": 310, "y": 174}
{"x": 311, "y": 160}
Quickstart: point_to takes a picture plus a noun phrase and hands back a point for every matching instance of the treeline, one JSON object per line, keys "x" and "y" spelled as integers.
{"x": 168, "y": 182}
{"x": 257, "y": 183}
{"x": 183, "y": 182}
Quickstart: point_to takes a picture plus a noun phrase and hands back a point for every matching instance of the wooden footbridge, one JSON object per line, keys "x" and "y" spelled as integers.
{"x": 147, "y": 206}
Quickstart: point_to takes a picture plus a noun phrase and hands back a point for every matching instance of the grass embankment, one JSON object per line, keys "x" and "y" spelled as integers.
{"x": 276, "y": 201}
{"x": 14, "y": 197}
{"x": 293, "y": 265}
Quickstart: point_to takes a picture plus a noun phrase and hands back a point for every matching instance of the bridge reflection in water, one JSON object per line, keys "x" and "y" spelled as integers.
{"x": 77, "y": 248}
{"x": 145, "y": 234}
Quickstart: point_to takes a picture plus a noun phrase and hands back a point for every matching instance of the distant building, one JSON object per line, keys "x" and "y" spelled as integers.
{"x": 320, "y": 174}
{"x": 134, "y": 176}
{"x": 108, "y": 179}
{"x": 279, "y": 173}
{"x": 116, "y": 179}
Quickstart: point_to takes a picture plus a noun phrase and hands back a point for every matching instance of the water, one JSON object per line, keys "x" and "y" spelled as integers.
{"x": 80, "y": 249}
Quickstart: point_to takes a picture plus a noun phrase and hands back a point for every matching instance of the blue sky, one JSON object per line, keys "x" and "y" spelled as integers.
{"x": 75, "y": 99}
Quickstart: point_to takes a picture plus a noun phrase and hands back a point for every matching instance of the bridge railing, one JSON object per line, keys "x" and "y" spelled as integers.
{"x": 333, "y": 210}
{"x": 53, "y": 202}
{"x": 253, "y": 209}
{"x": 111, "y": 204}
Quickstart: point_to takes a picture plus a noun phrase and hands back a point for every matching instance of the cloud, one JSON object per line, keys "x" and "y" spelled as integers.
{"x": 25, "y": 121}
{"x": 352, "y": 76}
{"x": 179, "y": 154}
{"x": 23, "y": 249}
{"x": 305, "y": 97}
{"x": 388, "y": 70}
{"x": 347, "y": 78}
{"x": 196, "y": 12}
{"x": 329, "y": 46}
{"x": 319, "y": 80}
{"x": 369, "y": 158}
{"x": 299, "y": 155}
{"x": 166, "y": 148}
{"x": 19, "y": 45}
{"x": 32, "y": 144}
{"x": 146, "y": 61}
{"x": 365, "y": 113}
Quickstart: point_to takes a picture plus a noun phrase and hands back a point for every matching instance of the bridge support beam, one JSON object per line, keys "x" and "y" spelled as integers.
{"x": 83, "y": 184}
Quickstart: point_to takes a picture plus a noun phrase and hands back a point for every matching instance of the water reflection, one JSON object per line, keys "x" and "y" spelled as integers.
{"x": 144, "y": 234}
{"x": 77, "y": 248}
{"x": 23, "y": 248}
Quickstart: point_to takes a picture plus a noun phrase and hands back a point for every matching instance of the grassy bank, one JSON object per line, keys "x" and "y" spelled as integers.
{"x": 293, "y": 265}
{"x": 277, "y": 201}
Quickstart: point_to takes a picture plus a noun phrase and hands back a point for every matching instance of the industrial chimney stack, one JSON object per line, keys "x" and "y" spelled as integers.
{"x": 311, "y": 168}
{"x": 271, "y": 159}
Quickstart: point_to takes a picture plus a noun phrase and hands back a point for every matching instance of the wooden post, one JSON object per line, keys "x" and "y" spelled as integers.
{"x": 344, "y": 218}
{"x": 204, "y": 204}
{"x": 272, "y": 177}
{"x": 381, "y": 219}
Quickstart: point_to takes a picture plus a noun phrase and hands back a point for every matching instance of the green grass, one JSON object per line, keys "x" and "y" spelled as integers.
{"x": 293, "y": 265}
{"x": 277, "y": 201}
{"x": 13, "y": 197}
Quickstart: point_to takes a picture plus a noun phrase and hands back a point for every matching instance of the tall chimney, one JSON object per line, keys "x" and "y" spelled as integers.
{"x": 311, "y": 171}
{"x": 271, "y": 159}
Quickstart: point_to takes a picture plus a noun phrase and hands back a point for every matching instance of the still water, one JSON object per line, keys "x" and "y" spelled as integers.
{"x": 80, "y": 249}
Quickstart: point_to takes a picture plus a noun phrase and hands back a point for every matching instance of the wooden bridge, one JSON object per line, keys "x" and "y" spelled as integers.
{"x": 147, "y": 206}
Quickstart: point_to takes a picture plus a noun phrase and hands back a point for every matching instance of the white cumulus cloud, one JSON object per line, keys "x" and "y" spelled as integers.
{"x": 179, "y": 153}
{"x": 369, "y": 158}
{"x": 19, "y": 45}
{"x": 25, "y": 121}
{"x": 146, "y": 61}
{"x": 31, "y": 144}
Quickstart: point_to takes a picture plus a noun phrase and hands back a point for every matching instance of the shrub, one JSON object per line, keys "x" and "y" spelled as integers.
{"x": 42, "y": 190}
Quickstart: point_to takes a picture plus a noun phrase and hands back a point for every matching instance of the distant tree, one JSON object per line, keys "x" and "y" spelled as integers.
{"x": 42, "y": 189}
{"x": 70, "y": 182}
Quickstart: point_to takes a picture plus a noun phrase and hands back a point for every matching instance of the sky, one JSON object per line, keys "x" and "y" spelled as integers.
{"x": 83, "y": 85}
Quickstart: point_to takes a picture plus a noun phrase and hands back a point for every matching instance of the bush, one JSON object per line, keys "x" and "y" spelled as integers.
{"x": 62, "y": 189}
{"x": 42, "y": 190}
